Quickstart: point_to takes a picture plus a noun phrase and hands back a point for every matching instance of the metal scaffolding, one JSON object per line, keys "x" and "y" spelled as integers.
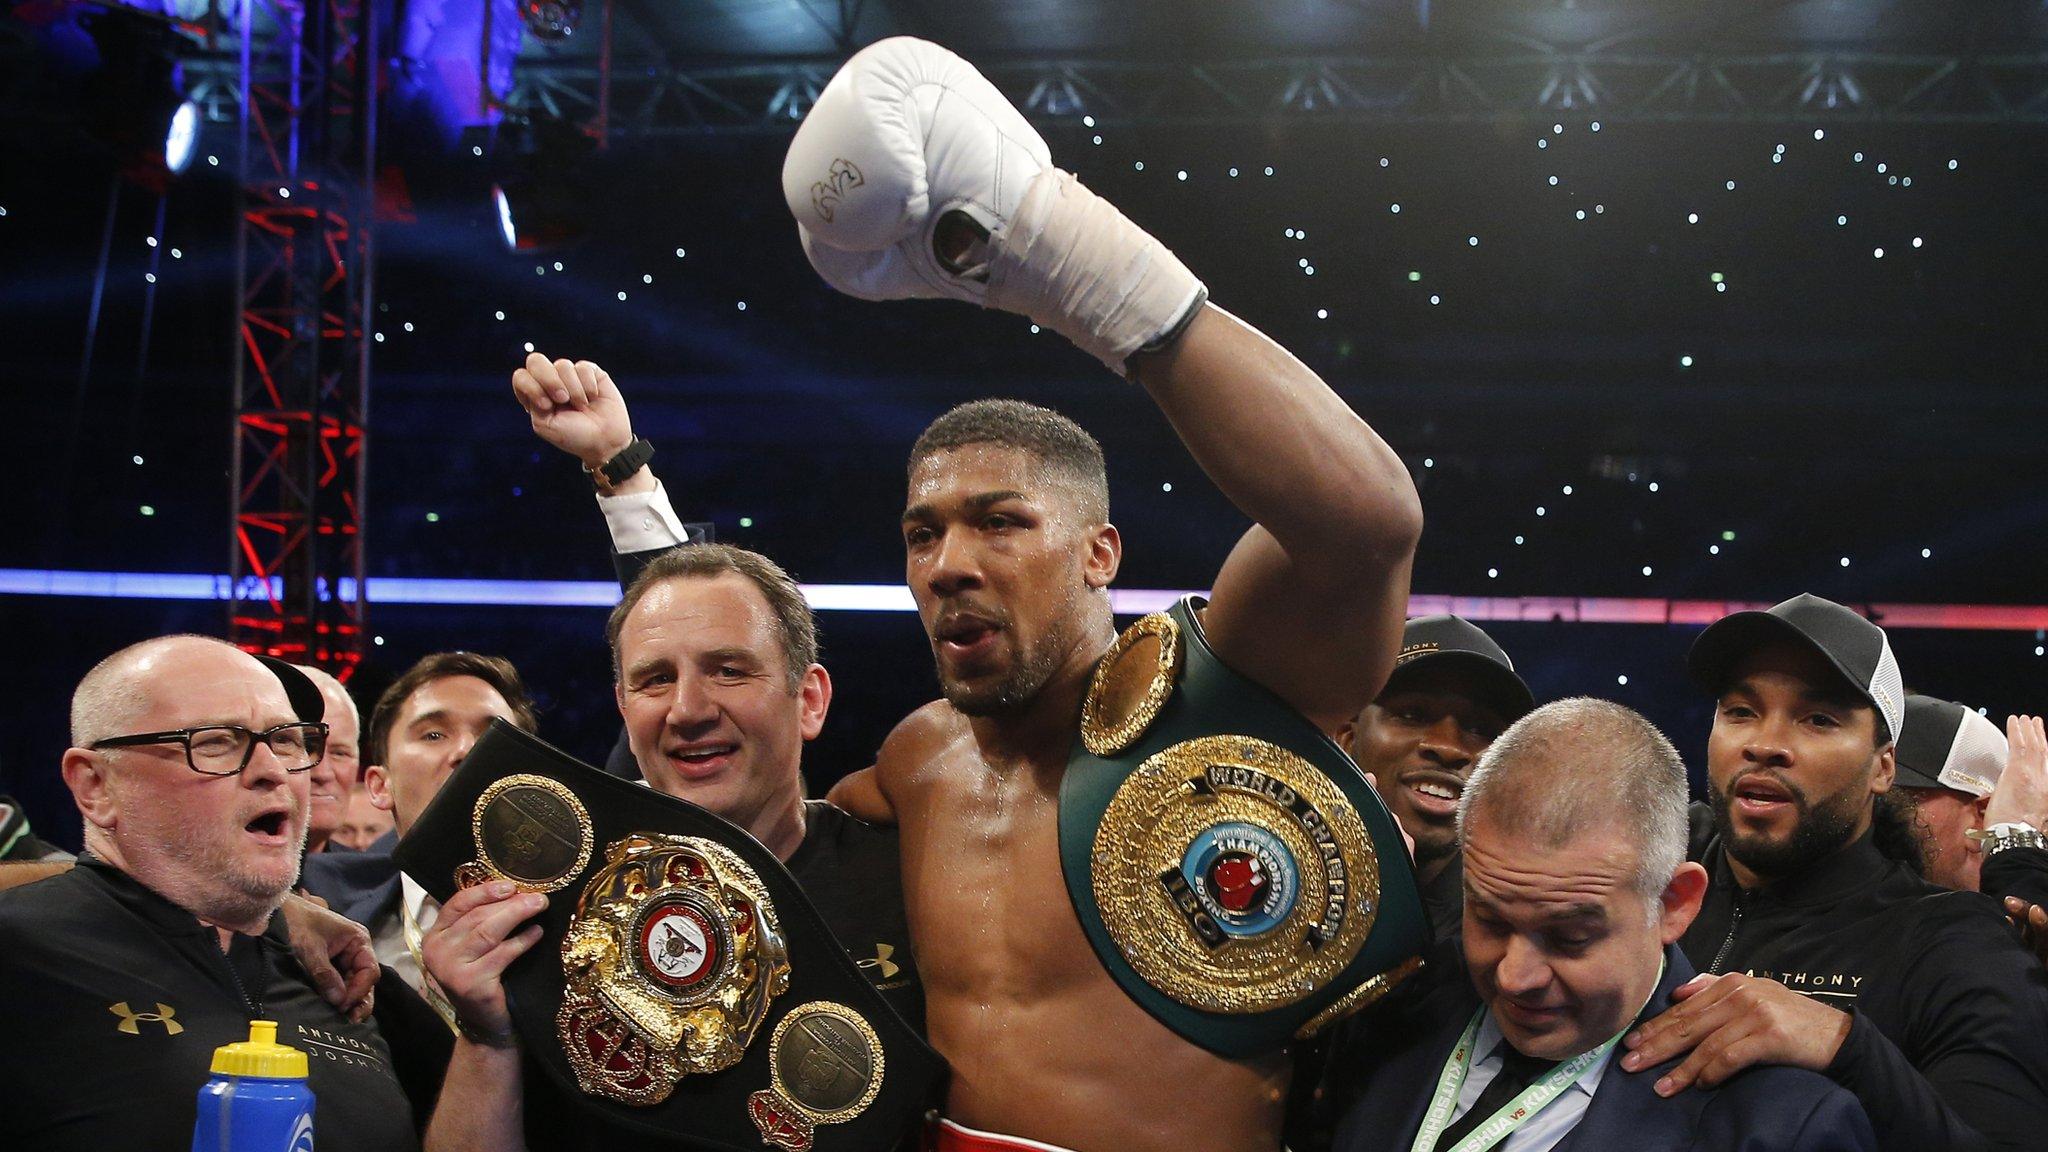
{"x": 307, "y": 119}
{"x": 651, "y": 98}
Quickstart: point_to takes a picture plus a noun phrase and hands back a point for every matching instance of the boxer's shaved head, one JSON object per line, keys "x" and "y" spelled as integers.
{"x": 1065, "y": 447}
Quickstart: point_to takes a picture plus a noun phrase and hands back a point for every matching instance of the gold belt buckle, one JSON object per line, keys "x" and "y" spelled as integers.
{"x": 669, "y": 966}
{"x": 1234, "y": 876}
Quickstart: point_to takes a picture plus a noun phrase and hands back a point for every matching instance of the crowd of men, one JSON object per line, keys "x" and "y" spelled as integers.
{"x": 1813, "y": 956}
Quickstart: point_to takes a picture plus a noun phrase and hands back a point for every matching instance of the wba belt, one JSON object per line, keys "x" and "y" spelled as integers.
{"x": 1229, "y": 863}
{"x": 684, "y": 985}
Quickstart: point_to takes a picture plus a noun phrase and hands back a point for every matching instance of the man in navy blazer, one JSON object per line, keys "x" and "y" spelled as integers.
{"x": 1573, "y": 830}
{"x": 362, "y": 886}
{"x": 419, "y": 732}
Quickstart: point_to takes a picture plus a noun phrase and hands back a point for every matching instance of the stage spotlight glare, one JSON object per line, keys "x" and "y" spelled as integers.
{"x": 505, "y": 226}
{"x": 535, "y": 215}
{"x": 179, "y": 141}
{"x": 541, "y": 194}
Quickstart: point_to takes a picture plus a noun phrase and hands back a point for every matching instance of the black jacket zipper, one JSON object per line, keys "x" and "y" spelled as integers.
{"x": 1728, "y": 944}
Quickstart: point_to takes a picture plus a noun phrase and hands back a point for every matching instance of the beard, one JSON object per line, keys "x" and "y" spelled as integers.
{"x": 1029, "y": 672}
{"x": 1823, "y": 828}
{"x": 198, "y": 868}
{"x": 1433, "y": 846}
{"x": 1013, "y": 693}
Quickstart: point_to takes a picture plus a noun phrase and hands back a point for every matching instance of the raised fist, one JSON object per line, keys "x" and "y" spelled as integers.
{"x": 912, "y": 176}
{"x": 574, "y": 407}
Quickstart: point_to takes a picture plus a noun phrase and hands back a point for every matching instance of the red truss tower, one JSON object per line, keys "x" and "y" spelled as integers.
{"x": 301, "y": 376}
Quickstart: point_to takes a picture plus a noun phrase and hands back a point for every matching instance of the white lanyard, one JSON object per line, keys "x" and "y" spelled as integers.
{"x": 1512, "y": 1114}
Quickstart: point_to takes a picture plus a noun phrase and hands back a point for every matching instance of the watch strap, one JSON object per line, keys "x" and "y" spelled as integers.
{"x": 2000, "y": 837}
{"x": 629, "y": 460}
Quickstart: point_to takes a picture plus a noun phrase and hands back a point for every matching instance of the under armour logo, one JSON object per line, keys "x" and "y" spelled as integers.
{"x": 880, "y": 961}
{"x": 163, "y": 1015}
{"x": 843, "y": 177}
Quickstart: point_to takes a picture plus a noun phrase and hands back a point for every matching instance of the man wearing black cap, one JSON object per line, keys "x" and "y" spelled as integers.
{"x": 1821, "y": 947}
{"x": 1950, "y": 758}
{"x": 189, "y": 763}
{"x": 1452, "y": 691}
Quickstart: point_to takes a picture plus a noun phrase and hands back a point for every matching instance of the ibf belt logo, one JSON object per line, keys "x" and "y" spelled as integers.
{"x": 843, "y": 177}
{"x": 131, "y": 1022}
{"x": 1241, "y": 876}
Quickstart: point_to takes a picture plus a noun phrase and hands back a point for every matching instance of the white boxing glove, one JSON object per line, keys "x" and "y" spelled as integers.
{"x": 910, "y": 152}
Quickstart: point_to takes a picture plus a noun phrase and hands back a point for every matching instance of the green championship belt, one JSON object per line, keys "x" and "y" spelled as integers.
{"x": 684, "y": 986}
{"x": 1232, "y": 867}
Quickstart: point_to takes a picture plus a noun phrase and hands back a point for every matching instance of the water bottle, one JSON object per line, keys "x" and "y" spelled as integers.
{"x": 257, "y": 1100}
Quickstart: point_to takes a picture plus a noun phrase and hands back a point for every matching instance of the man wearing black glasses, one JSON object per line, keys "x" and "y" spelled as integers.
{"x": 190, "y": 763}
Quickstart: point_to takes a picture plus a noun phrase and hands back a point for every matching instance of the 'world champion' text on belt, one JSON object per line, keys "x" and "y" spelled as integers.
{"x": 1336, "y": 886}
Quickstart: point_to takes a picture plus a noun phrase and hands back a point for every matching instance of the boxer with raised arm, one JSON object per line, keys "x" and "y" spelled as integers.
{"x": 912, "y": 176}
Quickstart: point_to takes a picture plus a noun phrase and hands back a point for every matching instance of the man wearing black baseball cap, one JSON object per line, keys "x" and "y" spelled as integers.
{"x": 1821, "y": 946}
{"x": 1452, "y": 691}
{"x": 1950, "y": 758}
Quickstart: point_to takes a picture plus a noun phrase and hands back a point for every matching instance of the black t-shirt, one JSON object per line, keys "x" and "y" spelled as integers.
{"x": 853, "y": 874}
{"x": 112, "y": 1000}
{"x": 1948, "y": 1039}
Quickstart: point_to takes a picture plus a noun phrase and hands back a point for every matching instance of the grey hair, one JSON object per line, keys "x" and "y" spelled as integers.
{"x": 110, "y": 697}
{"x": 1578, "y": 765}
{"x": 325, "y": 680}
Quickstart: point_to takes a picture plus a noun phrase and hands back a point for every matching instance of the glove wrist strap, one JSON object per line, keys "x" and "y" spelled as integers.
{"x": 1073, "y": 263}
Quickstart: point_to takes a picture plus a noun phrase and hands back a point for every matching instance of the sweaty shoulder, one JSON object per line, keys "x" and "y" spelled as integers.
{"x": 876, "y": 793}
{"x": 917, "y": 745}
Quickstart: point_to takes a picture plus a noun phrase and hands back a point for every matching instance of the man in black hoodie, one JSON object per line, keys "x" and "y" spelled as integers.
{"x": 1820, "y": 944}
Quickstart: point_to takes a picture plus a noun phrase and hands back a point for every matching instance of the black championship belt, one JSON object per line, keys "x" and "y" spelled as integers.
{"x": 1230, "y": 864}
{"x": 684, "y": 985}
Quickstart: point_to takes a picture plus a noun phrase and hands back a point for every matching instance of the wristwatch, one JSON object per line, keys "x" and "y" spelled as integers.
{"x": 1999, "y": 837}
{"x": 614, "y": 472}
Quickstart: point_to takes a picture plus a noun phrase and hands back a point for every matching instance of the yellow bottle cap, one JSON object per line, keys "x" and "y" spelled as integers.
{"x": 260, "y": 1055}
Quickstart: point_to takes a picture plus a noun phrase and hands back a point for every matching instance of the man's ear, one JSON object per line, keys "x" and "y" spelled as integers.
{"x": 1105, "y": 555}
{"x": 814, "y": 699}
{"x": 1342, "y": 736}
{"x": 377, "y": 781}
{"x": 86, "y": 775}
{"x": 1680, "y": 901}
{"x": 1887, "y": 770}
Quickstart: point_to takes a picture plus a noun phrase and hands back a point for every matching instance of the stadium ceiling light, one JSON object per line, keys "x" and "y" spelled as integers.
{"x": 179, "y": 142}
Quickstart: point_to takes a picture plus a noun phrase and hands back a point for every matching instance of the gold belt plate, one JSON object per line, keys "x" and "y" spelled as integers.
{"x": 825, "y": 1067}
{"x": 1132, "y": 683}
{"x": 1234, "y": 876}
{"x": 531, "y": 830}
{"x": 669, "y": 966}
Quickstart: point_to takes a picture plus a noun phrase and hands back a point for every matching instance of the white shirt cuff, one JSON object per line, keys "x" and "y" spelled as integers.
{"x": 642, "y": 521}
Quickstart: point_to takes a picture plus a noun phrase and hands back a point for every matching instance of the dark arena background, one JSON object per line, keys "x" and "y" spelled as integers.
{"x": 1670, "y": 305}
